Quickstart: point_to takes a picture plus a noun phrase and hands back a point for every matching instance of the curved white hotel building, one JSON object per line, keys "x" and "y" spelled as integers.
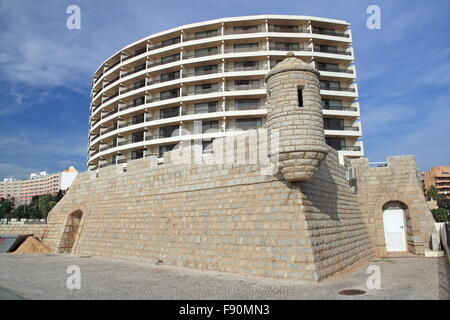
{"x": 146, "y": 97}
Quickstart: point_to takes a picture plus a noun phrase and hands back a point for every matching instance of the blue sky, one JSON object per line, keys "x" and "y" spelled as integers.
{"x": 403, "y": 71}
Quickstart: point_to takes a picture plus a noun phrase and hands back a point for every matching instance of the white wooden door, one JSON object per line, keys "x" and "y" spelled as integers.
{"x": 394, "y": 230}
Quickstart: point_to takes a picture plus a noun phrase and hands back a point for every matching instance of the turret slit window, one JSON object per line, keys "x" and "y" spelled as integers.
{"x": 300, "y": 96}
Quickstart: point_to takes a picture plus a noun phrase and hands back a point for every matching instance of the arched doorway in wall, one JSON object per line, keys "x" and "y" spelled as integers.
{"x": 70, "y": 231}
{"x": 394, "y": 223}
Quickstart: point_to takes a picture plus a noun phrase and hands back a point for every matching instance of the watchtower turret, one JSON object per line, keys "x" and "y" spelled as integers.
{"x": 294, "y": 109}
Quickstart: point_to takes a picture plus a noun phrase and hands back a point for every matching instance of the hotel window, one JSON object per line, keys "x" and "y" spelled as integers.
{"x": 167, "y": 132}
{"x": 246, "y": 65}
{"x": 170, "y": 41}
{"x": 327, "y": 48}
{"x": 206, "y": 52}
{"x": 206, "y": 107}
{"x": 207, "y": 146}
{"x": 247, "y": 124}
{"x": 325, "y": 31}
{"x": 336, "y": 143}
{"x": 328, "y": 66}
{"x": 206, "y": 88}
{"x": 140, "y": 51}
{"x": 330, "y": 85}
{"x": 173, "y": 93}
{"x": 287, "y": 46}
{"x": 210, "y": 126}
{"x": 245, "y": 47}
{"x": 139, "y": 84}
{"x": 245, "y": 29}
{"x": 246, "y": 84}
{"x": 170, "y": 76}
{"x": 140, "y": 67}
{"x": 138, "y": 101}
{"x": 206, "y": 69}
{"x": 285, "y": 28}
{"x": 165, "y": 148}
{"x": 169, "y": 112}
{"x": 137, "y": 154}
{"x": 247, "y": 104}
{"x": 273, "y": 63}
{"x": 171, "y": 58}
{"x": 138, "y": 118}
{"x": 206, "y": 34}
{"x": 332, "y": 104}
{"x": 137, "y": 136}
{"x": 333, "y": 124}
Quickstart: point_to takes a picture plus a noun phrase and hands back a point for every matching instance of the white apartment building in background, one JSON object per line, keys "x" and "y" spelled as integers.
{"x": 146, "y": 97}
{"x": 39, "y": 183}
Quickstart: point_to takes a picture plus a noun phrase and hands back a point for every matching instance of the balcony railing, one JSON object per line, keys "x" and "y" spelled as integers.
{"x": 288, "y": 30}
{"x": 243, "y": 49}
{"x": 201, "y": 36}
{"x": 161, "y": 136}
{"x": 250, "y": 68}
{"x": 94, "y": 153}
{"x": 159, "y": 63}
{"x": 349, "y": 148}
{"x": 338, "y": 89}
{"x": 343, "y": 128}
{"x": 134, "y": 71}
{"x": 111, "y": 82}
{"x": 318, "y": 49}
{"x": 151, "y": 82}
{"x": 132, "y": 88}
{"x": 245, "y": 87}
{"x": 110, "y": 97}
{"x": 135, "y": 54}
{"x": 203, "y": 91}
{"x": 200, "y": 55}
{"x": 130, "y": 123}
{"x": 110, "y": 113}
{"x": 331, "y": 69}
{"x": 166, "y": 116}
{"x": 129, "y": 141}
{"x": 107, "y": 147}
{"x": 161, "y": 98}
{"x": 201, "y": 73}
{"x": 243, "y": 31}
{"x": 107, "y": 68}
{"x": 330, "y": 33}
{"x": 289, "y": 48}
{"x": 339, "y": 108}
{"x": 103, "y": 165}
{"x": 162, "y": 45}
{"x": 244, "y": 108}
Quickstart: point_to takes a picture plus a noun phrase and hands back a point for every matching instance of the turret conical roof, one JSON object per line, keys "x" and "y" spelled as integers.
{"x": 291, "y": 63}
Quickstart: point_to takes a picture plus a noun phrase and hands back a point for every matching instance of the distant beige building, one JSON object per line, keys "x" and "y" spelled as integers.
{"x": 439, "y": 177}
{"x": 38, "y": 183}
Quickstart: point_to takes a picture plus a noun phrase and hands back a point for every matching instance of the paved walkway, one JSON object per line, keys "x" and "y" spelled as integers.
{"x": 44, "y": 276}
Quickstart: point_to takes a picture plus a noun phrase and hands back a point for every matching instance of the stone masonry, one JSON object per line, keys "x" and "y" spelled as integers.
{"x": 307, "y": 221}
{"x": 301, "y": 143}
{"x": 398, "y": 181}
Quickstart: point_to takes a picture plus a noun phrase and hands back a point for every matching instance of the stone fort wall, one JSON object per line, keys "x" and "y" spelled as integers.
{"x": 225, "y": 217}
{"x": 398, "y": 181}
{"x": 37, "y": 230}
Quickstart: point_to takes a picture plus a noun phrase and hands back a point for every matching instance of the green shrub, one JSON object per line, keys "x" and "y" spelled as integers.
{"x": 440, "y": 215}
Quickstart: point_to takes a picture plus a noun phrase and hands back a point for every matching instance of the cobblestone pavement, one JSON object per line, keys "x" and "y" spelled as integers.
{"x": 44, "y": 276}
